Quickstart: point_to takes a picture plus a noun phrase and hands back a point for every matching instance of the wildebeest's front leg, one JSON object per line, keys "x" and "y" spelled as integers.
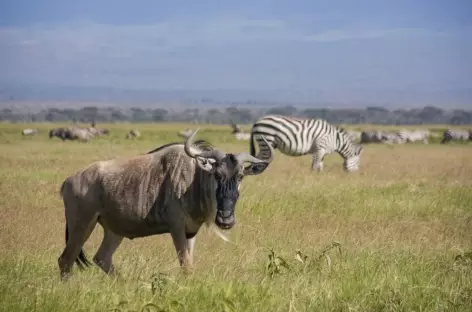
{"x": 181, "y": 247}
{"x": 191, "y": 247}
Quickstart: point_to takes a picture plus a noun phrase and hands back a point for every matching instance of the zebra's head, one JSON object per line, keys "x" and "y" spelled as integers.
{"x": 351, "y": 163}
{"x": 228, "y": 171}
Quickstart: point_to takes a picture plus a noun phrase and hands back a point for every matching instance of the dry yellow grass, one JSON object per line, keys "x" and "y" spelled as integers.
{"x": 400, "y": 223}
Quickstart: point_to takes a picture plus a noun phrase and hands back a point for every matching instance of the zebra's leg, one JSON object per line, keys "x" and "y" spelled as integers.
{"x": 317, "y": 163}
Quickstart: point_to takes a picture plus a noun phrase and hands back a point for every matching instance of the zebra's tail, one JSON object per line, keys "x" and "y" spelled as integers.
{"x": 252, "y": 146}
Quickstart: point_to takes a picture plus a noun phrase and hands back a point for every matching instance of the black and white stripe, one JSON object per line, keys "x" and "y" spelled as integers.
{"x": 297, "y": 137}
{"x": 456, "y": 135}
{"x": 414, "y": 136}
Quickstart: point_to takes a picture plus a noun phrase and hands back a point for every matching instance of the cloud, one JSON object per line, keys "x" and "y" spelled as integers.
{"x": 341, "y": 35}
{"x": 215, "y": 52}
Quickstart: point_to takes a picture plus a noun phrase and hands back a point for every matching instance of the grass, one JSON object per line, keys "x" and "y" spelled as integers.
{"x": 393, "y": 237}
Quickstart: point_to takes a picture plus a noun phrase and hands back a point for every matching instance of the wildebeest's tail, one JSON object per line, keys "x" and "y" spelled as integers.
{"x": 61, "y": 191}
{"x": 81, "y": 260}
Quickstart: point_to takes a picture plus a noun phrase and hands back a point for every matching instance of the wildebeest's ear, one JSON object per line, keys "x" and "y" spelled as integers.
{"x": 255, "y": 169}
{"x": 207, "y": 164}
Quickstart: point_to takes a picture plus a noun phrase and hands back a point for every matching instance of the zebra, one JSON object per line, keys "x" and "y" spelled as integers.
{"x": 392, "y": 138}
{"x": 354, "y": 135}
{"x": 372, "y": 137}
{"x": 414, "y": 136}
{"x": 456, "y": 135}
{"x": 29, "y": 131}
{"x": 299, "y": 136}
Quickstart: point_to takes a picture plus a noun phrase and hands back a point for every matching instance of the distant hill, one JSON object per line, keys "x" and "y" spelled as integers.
{"x": 454, "y": 98}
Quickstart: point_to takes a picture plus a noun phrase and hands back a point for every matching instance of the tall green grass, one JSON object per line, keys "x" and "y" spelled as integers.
{"x": 395, "y": 236}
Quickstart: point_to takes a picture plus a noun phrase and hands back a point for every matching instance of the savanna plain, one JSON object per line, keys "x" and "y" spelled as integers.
{"x": 395, "y": 236}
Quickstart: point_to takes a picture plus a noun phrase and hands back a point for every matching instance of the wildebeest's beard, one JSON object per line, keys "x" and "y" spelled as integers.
{"x": 227, "y": 195}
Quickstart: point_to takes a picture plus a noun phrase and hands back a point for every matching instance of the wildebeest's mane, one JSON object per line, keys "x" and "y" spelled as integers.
{"x": 200, "y": 144}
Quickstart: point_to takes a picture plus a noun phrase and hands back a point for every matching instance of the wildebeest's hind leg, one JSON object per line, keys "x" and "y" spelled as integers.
{"x": 79, "y": 226}
{"x": 110, "y": 243}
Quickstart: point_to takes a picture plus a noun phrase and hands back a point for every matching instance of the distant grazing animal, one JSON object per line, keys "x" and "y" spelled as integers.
{"x": 235, "y": 127}
{"x": 71, "y": 133}
{"x": 29, "y": 131}
{"x": 238, "y": 133}
{"x": 391, "y": 138}
{"x": 79, "y": 134}
{"x": 174, "y": 189}
{"x": 133, "y": 134}
{"x": 372, "y": 137}
{"x": 298, "y": 136}
{"x": 242, "y": 136}
{"x": 185, "y": 133}
{"x": 103, "y": 131}
{"x": 62, "y": 133}
{"x": 97, "y": 131}
{"x": 354, "y": 135}
{"x": 456, "y": 135}
{"x": 414, "y": 136}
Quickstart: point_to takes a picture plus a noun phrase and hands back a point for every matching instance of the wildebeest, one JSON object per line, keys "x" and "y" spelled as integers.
{"x": 71, "y": 133}
{"x": 133, "y": 134}
{"x": 80, "y": 134}
{"x": 60, "y": 132}
{"x": 456, "y": 135}
{"x": 29, "y": 131}
{"x": 174, "y": 189}
{"x": 235, "y": 127}
{"x": 97, "y": 131}
{"x": 242, "y": 136}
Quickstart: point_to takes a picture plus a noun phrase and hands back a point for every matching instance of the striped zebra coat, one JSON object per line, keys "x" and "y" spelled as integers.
{"x": 456, "y": 135}
{"x": 298, "y": 136}
{"x": 414, "y": 136}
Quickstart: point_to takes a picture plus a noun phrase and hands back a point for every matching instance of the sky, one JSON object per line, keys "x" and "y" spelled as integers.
{"x": 336, "y": 49}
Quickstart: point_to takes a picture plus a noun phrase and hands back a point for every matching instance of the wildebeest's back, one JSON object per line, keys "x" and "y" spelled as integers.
{"x": 137, "y": 193}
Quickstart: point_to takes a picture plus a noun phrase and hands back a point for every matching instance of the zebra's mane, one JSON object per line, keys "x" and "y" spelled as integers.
{"x": 341, "y": 130}
{"x": 202, "y": 145}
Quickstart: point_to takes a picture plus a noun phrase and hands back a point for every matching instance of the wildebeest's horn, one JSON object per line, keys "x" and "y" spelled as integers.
{"x": 192, "y": 152}
{"x": 246, "y": 157}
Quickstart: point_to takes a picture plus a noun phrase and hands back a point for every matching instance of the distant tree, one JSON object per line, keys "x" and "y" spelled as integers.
{"x": 285, "y": 111}
{"x": 159, "y": 114}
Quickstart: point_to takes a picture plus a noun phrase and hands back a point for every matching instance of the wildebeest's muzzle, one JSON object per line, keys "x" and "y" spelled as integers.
{"x": 226, "y": 197}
